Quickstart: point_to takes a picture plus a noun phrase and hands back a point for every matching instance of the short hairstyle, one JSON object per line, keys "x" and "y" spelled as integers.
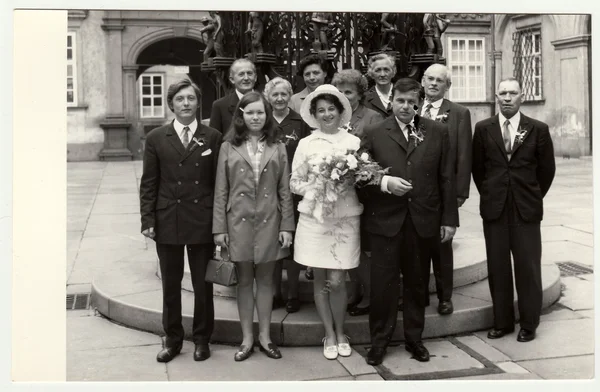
{"x": 271, "y": 84}
{"x": 326, "y": 97}
{"x": 239, "y": 61}
{"x": 511, "y": 79}
{"x": 352, "y": 76}
{"x": 310, "y": 60}
{"x": 382, "y": 56}
{"x": 407, "y": 85}
{"x": 238, "y": 131}
{"x": 179, "y": 85}
{"x": 443, "y": 68}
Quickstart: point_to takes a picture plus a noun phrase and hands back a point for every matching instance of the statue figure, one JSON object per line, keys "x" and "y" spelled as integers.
{"x": 321, "y": 22}
{"x": 389, "y": 31}
{"x": 435, "y": 25}
{"x": 255, "y": 29}
{"x": 207, "y": 36}
{"x": 218, "y": 34}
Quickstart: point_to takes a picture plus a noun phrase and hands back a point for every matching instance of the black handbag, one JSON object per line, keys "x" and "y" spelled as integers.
{"x": 221, "y": 270}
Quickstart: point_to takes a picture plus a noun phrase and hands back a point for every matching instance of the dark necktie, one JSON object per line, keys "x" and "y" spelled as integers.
{"x": 408, "y": 129}
{"x": 427, "y": 113}
{"x": 186, "y": 138}
{"x": 506, "y": 137}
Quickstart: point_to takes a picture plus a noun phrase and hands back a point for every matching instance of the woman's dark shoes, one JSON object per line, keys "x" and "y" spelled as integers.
{"x": 308, "y": 274}
{"x": 419, "y": 352}
{"x": 271, "y": 351}
{"x": 293, "y": 305}
{"x": 445, "y": 307}
{"x": 497, "y": 333}
{"x": 525, "y": 335}
{"x": 168, "y": 353}
{"x": 375, "y": 356}
{"x": 244, "y": 353}
{"x": 201, "y": 352}
{"x": 359, "y": 311}
{"x": 278, "y": 302}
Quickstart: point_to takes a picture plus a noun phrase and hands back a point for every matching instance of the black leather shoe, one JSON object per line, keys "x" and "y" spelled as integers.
{"x": 292, "y": 305}
{"x": 418, "y": 351}
{"x": 168, "y": 353}
{"x": 360, "y": 311}
{"x": 497, "y": 333}
{"x": 445, "y": 307}
{"x": 525, "y": 335}
{"x": 244, "y": 353}
{"x": 201, "y": 352}
{"x": 278, "y": 302}
{"x": 353, "y": 304}
{"x": 271, "y": 351}
{"x": 375, "y": 356}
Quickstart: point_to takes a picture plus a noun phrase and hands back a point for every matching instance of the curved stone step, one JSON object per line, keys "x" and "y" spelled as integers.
{"x": 469, "y": 267}
{"x": 130, "y": 293}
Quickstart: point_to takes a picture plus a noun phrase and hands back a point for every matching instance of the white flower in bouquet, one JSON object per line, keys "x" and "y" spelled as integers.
{"x": 352, "y": 162}
{"x": 364, "y": 157}
{"x": 328, "y": 159}
{"x": 340, "y": 165}
{"x": 335, "y": 174}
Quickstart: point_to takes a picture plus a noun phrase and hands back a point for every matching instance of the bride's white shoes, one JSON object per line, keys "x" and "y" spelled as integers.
{"x": 330, "y": 352}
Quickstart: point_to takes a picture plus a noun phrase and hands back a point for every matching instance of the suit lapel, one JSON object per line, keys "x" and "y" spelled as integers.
{"x": 233, "y": 101}
{"x": 266, "y": 156}
{"x": 393, "y": 130}
{"x": 174, "y": 140}
{"x": 523, "y": 124}
{"x": 496, "y": 134}
{"x": 412, "y": 143}
{"x": 444, "y": 108}
{"x": 241, "y": 149}
{"x": 375, "y": 101}
{"x": 193, "y": 146}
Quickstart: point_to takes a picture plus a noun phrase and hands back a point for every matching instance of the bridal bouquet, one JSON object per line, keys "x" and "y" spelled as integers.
{"x": 330, "y": 175}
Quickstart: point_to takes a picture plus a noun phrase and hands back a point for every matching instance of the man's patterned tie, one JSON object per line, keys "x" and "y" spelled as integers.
{"x": 427, "y": 113}
{"x": 506, "y": 137}
{"x": 186, "y": 138}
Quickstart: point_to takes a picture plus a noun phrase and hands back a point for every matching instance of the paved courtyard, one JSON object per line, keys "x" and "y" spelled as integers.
{"x": 103, "y": 203}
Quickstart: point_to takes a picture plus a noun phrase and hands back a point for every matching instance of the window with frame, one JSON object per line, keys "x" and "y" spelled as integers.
{"x": 71, "y": 70}
{"x": 527, "y": 59}
{"x": 466, "y": 60}
{"x": 151, "y": 96}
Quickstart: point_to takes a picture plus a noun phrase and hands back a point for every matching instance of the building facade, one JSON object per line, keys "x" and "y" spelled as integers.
{"x": 120, "y": 63}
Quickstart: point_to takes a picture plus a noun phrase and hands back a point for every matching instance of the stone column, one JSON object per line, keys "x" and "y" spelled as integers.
{"x": 114, "y": 124}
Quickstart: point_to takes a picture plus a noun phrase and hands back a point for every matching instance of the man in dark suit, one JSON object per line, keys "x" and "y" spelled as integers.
{"x": 513, "y": 168}
{"x": 242, "y": 75}
{"x": 382, "y": 69}
{"x": 405, "y": 216}
{"x": 176, "y": 202}
{"x": 436, "y": 81}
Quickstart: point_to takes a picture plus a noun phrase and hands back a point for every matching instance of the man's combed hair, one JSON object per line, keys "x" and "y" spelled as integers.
{"x": 177, "y": 86}
{"x": 407, "y": 85}
{"x": 238, "y": 131}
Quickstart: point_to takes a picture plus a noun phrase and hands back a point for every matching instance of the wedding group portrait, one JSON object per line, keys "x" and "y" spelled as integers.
{"x": 289, "y": 196}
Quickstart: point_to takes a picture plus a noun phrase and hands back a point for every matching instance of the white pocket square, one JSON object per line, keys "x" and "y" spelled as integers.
{"x": 207, "y": 152}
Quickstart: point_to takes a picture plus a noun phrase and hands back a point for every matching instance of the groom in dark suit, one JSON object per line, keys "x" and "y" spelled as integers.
{"x": 513, "y": 168}
{"x": 405, "y": 216}
{"x": 176, "y": 202}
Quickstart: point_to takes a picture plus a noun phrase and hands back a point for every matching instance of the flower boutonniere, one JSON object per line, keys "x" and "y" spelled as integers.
{"x": 197, "y": 143}
{"x": 346, "y": 128}
{"x": 443, "y": 118}
{"x": 520, "y": 136}
{"x": 289, "y": 138}
{"x": 418, "y": 136}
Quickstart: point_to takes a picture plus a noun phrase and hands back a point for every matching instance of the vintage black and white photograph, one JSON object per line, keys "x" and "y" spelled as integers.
{"x": 328, "y": 196}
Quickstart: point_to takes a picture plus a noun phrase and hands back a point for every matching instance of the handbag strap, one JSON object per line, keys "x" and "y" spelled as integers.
{"x": 223, "y": 253}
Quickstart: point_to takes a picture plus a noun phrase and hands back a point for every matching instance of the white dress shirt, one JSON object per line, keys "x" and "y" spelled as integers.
{"x": 404, "y": 128}
{"x": 435, "y": 107}
{"x": 179, "y": 129}
{"x": 514, "y": 125}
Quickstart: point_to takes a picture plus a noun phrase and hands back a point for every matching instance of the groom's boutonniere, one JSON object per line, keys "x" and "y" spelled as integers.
{"x": 197, "y": 143}
{"x": 521, "y": 133}
{"x": 442, "y": 117}
{"x": 418, "y": 136}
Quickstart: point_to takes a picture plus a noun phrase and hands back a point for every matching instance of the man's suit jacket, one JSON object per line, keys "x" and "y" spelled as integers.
{"x": 362, "y": 117}
{"x": 177, "y": 185}
{"x": 373, "y": 102}
{"x": 222, "y": 112}
{"x": 432, "y": 201}
{"x": 528, "y": 174}
{"x": 460, "y": 133}
{"x": 253, "y": 215}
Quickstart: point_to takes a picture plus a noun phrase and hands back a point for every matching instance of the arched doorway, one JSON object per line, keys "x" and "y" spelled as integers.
{"x": 157, "y": 66}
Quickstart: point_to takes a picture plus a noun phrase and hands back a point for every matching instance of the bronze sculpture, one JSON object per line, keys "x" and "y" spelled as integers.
{"x": 256, "y": 29}
{"x": 435, "y": 25}
{"x": 321, "y": 22}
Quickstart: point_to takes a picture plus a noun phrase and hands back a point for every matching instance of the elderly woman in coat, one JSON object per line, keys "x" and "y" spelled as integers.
{"x": 253, "y": 214}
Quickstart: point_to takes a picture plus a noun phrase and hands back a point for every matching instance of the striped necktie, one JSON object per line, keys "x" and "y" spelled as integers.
{"x": 186, "y": 137}
{"x": 427, "y": 113}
